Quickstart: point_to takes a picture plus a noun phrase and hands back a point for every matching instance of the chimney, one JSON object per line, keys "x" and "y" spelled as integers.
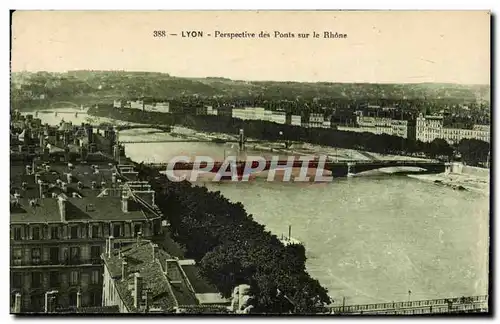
{"x": 66, "y": 153}
{"x": 125, "y": 204}
{"x": 139, "y": 238}
{"x": 46, "y": 153}
{"x": 137, "y": 290}
{"x": 62, "y": 208}
{"x": 155, "y": 251}
{"x": 110, "y": 246}
{"x": 66, "y": 138}
{"x": 148, "y": 300}
{"x": 17, "y": 303}
{"x": 79, "y": 299}
{"x": 116, "y": 153}
{"x": 40, "y": 187}
{"x": 124, "y": 270}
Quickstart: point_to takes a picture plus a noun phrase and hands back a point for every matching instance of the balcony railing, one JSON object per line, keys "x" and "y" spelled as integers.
{"x": 65, "y": 262}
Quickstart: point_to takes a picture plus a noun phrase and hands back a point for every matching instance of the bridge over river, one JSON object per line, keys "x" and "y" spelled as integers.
{"x": 431, "y": 306}
{"x": 338, "y": 168}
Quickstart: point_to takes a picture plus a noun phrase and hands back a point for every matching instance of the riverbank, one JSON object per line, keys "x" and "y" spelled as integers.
{"x": 457, "y": 181}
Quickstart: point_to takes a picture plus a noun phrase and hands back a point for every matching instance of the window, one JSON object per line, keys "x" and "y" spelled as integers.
{"x": 94, "y": 279}
{"x": 17, "y": 234}
{"x": 17, "y": 280}
{"x": 95, "y": 231}
{"x": 54, "y": 255}
{"x": 54, "y": 233}
{"x": 137, "y": 229}
{"x": 74, "y": 232}
{"x": 37, "y": 302}
{"x": 54, "y": 279}
{"x": 36, "y": 279}
{"x": 36, "y": 233}
{"x": 72, "y": 299}
{"x": 35, "y": 255}
{"x": 75, "y": 254}
{"x": 95, "y": 252}
{"x": 116, "y": 230}
{"x": 74, "y": 278}
{"x": 17, "y": 256}
{"x": 95, "y": 298}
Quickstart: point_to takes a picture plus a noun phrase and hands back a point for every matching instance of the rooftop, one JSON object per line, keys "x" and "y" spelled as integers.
{"x": 90, "y": 192}
{"x": 168, "y": 287}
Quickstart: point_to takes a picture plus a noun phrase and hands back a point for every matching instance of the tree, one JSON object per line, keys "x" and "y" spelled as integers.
{"x": 473, "y": 151}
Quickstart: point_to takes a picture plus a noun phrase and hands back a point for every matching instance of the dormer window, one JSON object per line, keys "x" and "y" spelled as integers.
{"x": 36, "y": 233}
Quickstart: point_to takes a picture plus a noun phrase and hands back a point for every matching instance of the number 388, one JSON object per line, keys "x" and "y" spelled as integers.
{"x": 159, "y": 33}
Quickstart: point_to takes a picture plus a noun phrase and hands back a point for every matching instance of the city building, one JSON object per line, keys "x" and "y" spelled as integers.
{"x": 429, "y": 128}
{"x": 316, "y": 120}
{"x": 60, "y": 215}
{"x": 163, "y": 107}
{"x": 143, "y": 278}
{"x": 136, "y": 104}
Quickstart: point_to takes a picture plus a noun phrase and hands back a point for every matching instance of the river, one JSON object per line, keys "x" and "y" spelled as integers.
{"x": 369, "y": 238}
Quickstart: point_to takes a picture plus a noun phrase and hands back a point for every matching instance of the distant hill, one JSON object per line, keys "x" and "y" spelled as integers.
{"x": 122, "y": 84}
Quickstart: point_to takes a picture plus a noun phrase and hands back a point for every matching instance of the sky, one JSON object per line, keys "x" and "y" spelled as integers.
{"x": 381, "y": 46}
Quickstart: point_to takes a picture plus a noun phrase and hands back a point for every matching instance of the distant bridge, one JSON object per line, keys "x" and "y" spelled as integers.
{"x": 431, "y": 306}
{"x": 64, "y": 104}
{"x": 191, "y": 140}
{"x": 59, "y": 112}
{"x": 128, "y": 126}
{"x": 338, "y": 168}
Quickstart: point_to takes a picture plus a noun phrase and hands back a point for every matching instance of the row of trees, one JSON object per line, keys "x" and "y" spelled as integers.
{"x": 232, "y": 249}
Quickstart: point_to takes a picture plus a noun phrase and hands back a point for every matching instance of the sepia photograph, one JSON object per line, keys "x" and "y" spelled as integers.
{"x": 240, "y": 163}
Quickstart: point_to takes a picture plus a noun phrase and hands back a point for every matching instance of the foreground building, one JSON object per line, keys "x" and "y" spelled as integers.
{"x": 60, "y": 216}
{"x": 143, "y": 278}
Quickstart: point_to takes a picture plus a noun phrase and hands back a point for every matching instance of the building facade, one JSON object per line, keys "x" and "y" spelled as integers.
{"x": 429, "y": 128}
{"x": 60, "y": 217}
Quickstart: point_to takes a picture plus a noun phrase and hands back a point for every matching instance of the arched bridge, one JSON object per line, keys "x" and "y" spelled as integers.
{"x": 337, "y": 168}
{"x": 64, "y": 104}
{"x": 163, "y": 128}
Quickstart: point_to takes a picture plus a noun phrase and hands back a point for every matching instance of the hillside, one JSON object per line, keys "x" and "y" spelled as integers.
{"x": 99, "y": 85}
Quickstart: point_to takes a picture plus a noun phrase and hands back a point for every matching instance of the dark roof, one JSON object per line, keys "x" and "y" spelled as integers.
{"x": 199, "y": 284}
{"x": 91, "y": 204}
{"x": 46, "y": 210}
{"x": 139, "y": 258}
